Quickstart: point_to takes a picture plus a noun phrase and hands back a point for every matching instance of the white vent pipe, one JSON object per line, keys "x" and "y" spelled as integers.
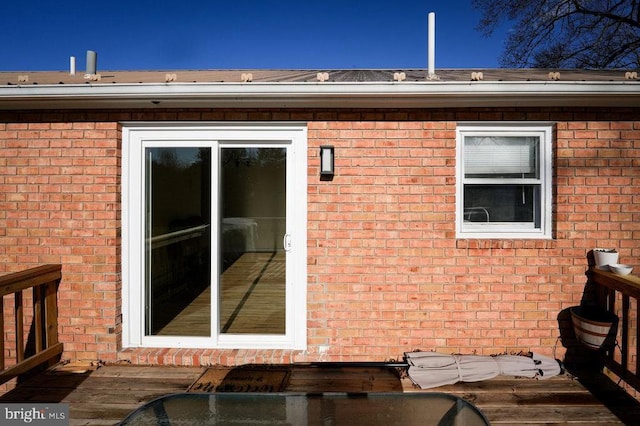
{"x": 431, "y": 59}
{"x": 72, "y": 65}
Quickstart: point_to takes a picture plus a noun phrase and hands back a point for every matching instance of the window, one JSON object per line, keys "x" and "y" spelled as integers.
{"x": 503, "y": 181}
{"x": 214, "y": 236}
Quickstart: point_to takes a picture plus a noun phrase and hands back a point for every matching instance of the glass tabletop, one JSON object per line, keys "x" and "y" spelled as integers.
{"x": 373, "y": 409}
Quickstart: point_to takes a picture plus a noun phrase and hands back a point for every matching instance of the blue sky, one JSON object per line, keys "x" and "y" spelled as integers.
{"x": 41, "y": 35}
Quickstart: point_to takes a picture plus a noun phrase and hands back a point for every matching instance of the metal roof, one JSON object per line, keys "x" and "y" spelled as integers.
{"x": 306, "y": 76}
{"x": 366, "y": 88}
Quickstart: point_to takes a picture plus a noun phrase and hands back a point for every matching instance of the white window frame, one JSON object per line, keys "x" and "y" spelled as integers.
{"x": 481, "y": 230}
{"x": 215, "y": 134}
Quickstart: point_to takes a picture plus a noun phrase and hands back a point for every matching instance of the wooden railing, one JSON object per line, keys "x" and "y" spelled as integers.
{"x": 44, "y": 281}
{"x": 619, "y": 294}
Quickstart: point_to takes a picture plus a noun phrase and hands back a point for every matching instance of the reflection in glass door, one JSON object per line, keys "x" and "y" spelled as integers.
{"x": 252, "y": 206}
{"x": 178, "y": 241}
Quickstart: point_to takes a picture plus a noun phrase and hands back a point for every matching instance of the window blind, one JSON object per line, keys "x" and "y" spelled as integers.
{"x": 511, "y": 155}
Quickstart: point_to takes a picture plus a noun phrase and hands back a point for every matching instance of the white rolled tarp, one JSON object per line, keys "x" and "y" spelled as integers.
{"x": 433, "y": 369}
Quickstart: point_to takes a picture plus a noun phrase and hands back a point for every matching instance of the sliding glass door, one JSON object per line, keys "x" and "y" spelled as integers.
{"x": 221, "y": 230}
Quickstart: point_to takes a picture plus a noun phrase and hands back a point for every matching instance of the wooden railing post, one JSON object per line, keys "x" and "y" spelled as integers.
{"x": 51, "y": 312}
{"x": 37, "y": 317}
{"x": 19, "y": 322}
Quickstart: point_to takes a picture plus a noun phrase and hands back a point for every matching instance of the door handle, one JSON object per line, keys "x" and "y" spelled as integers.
{"x": 286, "y": 242}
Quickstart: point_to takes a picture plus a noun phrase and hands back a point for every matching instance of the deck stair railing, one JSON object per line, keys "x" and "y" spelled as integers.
{"x": 44, "y": 281}
{"x": 619, "y": 294}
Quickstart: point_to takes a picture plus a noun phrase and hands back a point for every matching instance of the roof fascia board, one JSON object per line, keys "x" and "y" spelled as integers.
{"x": 326, "y": 94}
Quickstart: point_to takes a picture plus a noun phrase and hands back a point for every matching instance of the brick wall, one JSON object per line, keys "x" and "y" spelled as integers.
{"x": 385, "y": 272}
{"x": 59, "y": 203}
{"x": 388, "y": 275}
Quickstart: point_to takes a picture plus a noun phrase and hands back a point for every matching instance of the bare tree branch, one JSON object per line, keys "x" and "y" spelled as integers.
{"x": 565, "y": 33}
{"x": 605, "y": 14}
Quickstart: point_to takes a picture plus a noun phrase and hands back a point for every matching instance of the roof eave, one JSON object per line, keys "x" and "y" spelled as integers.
{"x": 321, "y": 95}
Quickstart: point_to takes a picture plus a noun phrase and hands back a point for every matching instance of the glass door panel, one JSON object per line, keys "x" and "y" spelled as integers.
{"x": 178, "y": 241}
{"x": 252, "y": 205}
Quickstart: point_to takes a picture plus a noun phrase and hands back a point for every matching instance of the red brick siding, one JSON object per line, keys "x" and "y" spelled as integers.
{"x": 388, "y": 265}
{"x": 385, "y": 272}
{"x": 60, "y": 203}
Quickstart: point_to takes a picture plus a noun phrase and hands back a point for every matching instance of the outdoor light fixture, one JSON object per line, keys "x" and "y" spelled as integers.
{"x": 326, "y": 162}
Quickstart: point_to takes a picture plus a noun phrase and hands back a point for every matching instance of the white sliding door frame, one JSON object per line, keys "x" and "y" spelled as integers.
{"x": 137, "y": 136}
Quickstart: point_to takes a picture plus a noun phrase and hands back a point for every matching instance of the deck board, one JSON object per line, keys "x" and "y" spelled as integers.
{"x": 107, "y": 394}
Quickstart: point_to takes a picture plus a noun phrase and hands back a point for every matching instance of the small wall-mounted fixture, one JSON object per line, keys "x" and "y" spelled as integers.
{"x": 327, "y": 154}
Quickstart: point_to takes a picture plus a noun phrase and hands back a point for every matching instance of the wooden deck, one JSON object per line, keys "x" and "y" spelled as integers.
{"x": 105, "y": 395}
